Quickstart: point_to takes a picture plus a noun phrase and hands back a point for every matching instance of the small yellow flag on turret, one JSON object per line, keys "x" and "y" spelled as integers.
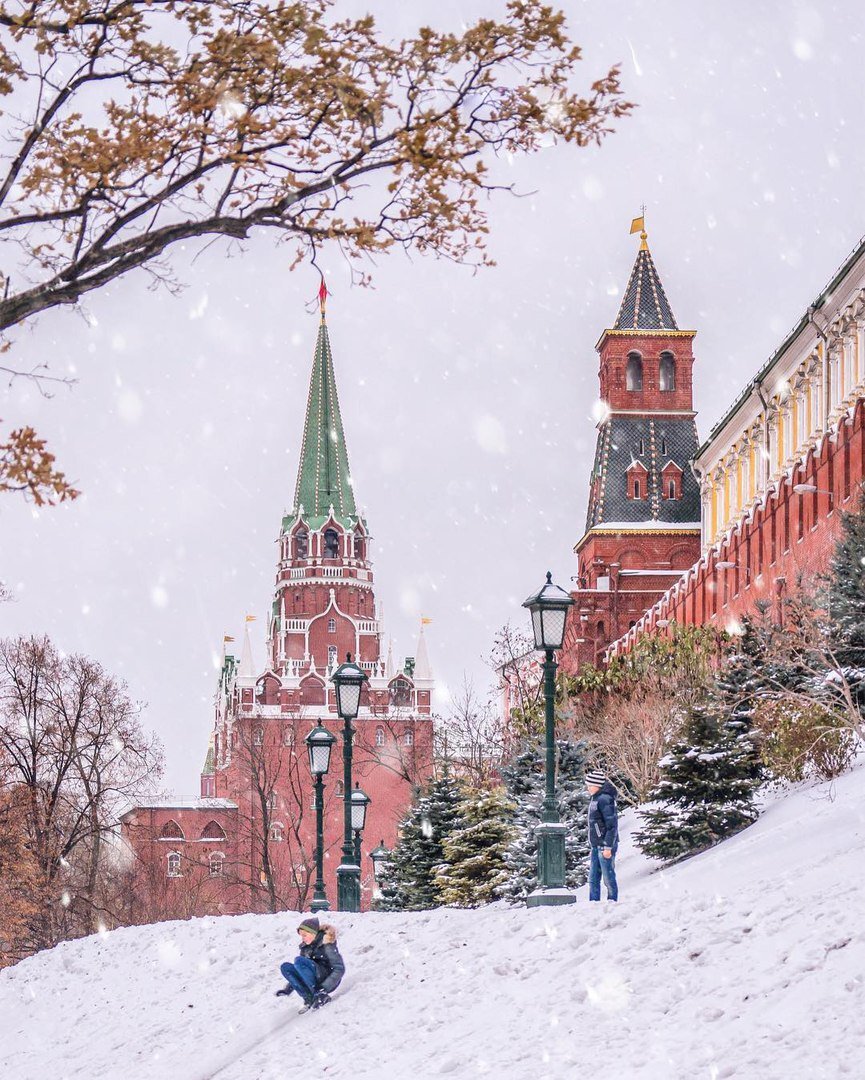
{"x": 251, "y": 618}
{"x": 638, "y": 224}
{"x": 228, "y": 637}
{"x": 425, "y": 620}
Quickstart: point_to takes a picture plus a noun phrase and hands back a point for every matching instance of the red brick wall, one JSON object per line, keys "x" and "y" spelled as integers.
{"x": 785, "y": 543}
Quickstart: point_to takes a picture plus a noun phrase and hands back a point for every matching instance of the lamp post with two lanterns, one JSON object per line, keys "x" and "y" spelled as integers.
{"x": 549, "y": 609}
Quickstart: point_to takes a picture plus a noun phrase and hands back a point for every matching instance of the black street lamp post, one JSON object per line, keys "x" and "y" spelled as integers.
{"x": 348, "y": 680}
{"x": 319, "y": 743}
{"x": 359, "y": 803}
{"x": 549, "y": 607}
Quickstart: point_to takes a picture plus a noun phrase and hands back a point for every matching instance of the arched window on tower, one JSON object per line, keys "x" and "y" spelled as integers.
{"x": 634, "y": 372}
{"x": 331, "y": 544}
{"x": 667, "y": 372}
{"x": 400, "y": 692}
{"x": 301, "y": 544}
{"x": 358, "y": 546}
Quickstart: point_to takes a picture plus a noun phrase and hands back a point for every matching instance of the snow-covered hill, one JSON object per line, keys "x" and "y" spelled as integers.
{"x": 747, "y": 961}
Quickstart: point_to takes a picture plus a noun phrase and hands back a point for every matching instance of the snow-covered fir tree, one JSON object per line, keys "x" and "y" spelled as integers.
{"x": 845, "y": 594}
{"x": 474, "y": 853}
{"x": 408, "y": 881}
{"x": 524, "y": 781}
{"x": 707, "y": 786}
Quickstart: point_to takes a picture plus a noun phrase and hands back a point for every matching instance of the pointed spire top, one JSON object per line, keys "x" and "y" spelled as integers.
{"x": 323, "y": 475}
{"x": 389, "y": 669}
{"x": 422, "y": 669}
{"x": 644, "y": 305}
{"x": 639, "y": 225}
{"x": 247, "y": 666}
{"x": 322, "y": 297}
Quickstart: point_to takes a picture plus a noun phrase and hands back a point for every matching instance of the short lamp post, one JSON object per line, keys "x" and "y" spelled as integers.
{"x": 380, "y": 856}
{"x": 549, "y": 608}
{"x": 348, "y": 680}
{"x": 319, "y": 743}
{"x": 359, "y": 803}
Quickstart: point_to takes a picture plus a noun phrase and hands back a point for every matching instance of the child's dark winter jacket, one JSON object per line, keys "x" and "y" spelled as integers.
{"x": 603, "y": 817}
{"x": 329, "y": 965}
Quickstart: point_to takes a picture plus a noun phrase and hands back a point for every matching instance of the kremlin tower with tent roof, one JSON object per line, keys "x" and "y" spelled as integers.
{"x": 248, "y": 842}
{"x": 643, "y": 521}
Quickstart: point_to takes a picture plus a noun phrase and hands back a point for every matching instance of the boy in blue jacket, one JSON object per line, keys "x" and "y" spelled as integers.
{"x": 603, "y": 835}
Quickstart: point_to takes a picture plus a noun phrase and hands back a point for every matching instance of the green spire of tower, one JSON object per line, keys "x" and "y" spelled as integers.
{"x": 323, "y": 476}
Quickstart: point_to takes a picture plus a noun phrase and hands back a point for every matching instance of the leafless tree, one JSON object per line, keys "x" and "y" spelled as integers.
{"x": 471, "y": 737}
{"x": 631, "y": 736}
{"x": 72, "y": 746}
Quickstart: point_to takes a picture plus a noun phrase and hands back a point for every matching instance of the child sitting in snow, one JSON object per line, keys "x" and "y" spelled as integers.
{"x": 319, "y": 968}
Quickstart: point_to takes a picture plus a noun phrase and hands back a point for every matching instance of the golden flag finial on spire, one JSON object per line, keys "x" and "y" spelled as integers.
{"x": 639, "y": 225}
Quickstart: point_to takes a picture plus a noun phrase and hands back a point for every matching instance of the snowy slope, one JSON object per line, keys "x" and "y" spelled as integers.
{"x": 747, "y": 961}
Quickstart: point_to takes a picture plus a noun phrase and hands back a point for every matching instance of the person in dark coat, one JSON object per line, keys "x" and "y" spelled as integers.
{"x": 319, "y": 968}
{"x": 603, "y": 835}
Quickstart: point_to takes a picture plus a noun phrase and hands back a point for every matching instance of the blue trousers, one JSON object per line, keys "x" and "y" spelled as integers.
{"x": 599, "y": 867}
{"x": 300, "y": 976}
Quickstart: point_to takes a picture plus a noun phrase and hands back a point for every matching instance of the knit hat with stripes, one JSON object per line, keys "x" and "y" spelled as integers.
{"x": 595, "y": 776}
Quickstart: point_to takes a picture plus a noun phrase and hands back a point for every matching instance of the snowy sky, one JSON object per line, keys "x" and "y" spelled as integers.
{"x": 466, "y": 398}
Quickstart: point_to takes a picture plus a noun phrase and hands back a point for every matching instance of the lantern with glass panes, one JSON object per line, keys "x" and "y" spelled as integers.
{"x": 359, "y": 803}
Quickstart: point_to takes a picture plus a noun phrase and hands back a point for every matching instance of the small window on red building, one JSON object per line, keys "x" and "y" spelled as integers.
{"x": 636, "y": 489}
{"x": 634, "y": 372}
{"x": 216, "y": 861}
{"x": 174, "y": 864}
{"x": 172, "y": 831}
{"x": 213, "y": 831}
{"x": 667, "y": 372}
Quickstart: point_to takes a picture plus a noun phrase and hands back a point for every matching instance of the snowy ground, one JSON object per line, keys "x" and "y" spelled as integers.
{"x": 747, "y": 961}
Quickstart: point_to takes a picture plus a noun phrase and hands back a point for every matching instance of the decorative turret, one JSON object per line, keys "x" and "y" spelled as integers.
{"x": 643, "y": 517}
{"x": 646, "y": 434}
{"x": 324, "y": 606}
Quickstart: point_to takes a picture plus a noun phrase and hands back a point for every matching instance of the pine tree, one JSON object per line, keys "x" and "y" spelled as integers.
{"x": 707, "y": 787}
{"x": 474, "y": 854}
{"x": 525, "y": 784}
{"x": 408, "y": 880}
{"x": 845, "y": 594}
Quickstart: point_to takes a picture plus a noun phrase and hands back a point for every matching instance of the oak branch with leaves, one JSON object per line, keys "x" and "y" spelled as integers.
{"x": 133, "y": 125}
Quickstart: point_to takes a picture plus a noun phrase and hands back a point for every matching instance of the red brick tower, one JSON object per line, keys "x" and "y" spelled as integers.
{"x": 257, "y": 771}
{"x": 643, "y": 521}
